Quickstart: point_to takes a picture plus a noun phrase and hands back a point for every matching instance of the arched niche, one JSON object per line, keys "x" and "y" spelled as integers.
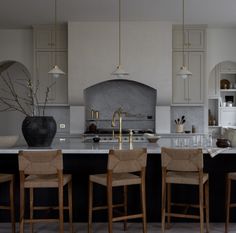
{"x": 137, "y": 99}
{"x": 221, "y": 88}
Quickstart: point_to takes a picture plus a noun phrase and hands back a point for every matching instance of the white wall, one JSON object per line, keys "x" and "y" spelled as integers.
{"x": 146, "y": 55}
{"x": 221, "y": 46}
{"x": 15, "y": 45}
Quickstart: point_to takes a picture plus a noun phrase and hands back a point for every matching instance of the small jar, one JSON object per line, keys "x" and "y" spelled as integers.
{"x": 179, "y": 128}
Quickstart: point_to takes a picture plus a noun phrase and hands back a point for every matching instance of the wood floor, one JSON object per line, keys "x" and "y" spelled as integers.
{"x": 117, "y": 228}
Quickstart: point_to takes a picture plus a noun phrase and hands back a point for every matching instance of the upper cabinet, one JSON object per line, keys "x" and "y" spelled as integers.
{"x": 188, "y": 91}
{"x": 47, "y": 53}
{"x": 191, "y": 90}
{"x": 45, "y": 38}
{"x": 194, "y": 38}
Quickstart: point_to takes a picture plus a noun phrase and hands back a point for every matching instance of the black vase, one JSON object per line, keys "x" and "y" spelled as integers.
{"x": 39, "y": 131}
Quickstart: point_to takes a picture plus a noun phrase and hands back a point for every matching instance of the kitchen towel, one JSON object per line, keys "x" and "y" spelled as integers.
{"x": 215, "y": 151}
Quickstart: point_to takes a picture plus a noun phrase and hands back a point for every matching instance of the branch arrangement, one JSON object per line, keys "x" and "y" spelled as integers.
{"x": 24, "y": 101}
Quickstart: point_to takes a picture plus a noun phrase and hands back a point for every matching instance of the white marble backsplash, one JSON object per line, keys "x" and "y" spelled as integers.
{"x": 194, "y": 115}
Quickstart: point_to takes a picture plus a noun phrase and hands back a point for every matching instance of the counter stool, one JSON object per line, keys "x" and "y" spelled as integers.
{"x": 43, "y": 169}
{"x": 231, "y": 176}
{"x": 184, "y": 166}
{"x": 10, "y": 179}
{"x": 120, "y": 168}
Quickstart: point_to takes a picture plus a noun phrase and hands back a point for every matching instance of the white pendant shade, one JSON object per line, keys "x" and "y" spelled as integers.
{"x": 56, "y": 72}
{"x": 184, "y": 72}
{"x": 120, "y": 72}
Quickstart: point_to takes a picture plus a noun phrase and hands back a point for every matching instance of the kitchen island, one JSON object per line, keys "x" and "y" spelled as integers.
{"x": 84, "y": 158}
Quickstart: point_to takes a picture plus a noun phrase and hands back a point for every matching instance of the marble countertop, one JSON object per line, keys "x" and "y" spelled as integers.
{"x": 76, "y": 145}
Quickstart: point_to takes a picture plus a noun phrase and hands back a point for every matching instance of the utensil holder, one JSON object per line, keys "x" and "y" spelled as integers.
{"x": 179, "y": 128}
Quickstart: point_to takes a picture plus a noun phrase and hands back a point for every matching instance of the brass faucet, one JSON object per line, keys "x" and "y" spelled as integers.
{"x": 118, "y": 112}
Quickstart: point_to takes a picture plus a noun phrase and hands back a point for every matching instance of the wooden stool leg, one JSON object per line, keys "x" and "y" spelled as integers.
{"x": 90, "y": 211}
{"x": 70, "y": 206}
{"x": 109, "y": 204}
{"x": 22, "y": 203}
{"x": 143, "y": 201}
{"x": 61, "y": 218}
{"x": 12, "y": 206}
{"x": 201, "y": 198}
{"x": 125, "y": 207}
{"x": 163, "y": 202}
{"x": 168, "y": 204}
{"x": 228, "y": 196}
{"x": 207, "y": 205}
{"x": 31, "y": 208}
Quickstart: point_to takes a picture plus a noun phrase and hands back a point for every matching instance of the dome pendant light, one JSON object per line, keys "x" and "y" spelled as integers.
{"x": 183, "y": 71}
{"x": 119, "y": 72}
{"x": 56, "y": 72}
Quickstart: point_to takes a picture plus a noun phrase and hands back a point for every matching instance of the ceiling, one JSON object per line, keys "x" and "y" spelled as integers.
{"x": 24, "y": 13}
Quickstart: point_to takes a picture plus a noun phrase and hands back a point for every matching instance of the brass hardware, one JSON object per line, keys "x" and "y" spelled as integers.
{"x": 118, "y": 112}
{"x": 130, "y": 136}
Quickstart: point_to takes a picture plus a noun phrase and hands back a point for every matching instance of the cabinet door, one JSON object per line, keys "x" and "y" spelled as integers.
{"x": 227, "y": 116}
{"x": 177, "y": 41}
{"x": 196, "y": 39}
{"x": 195, "y": 88}
{"x": 193, "y": 39}
{"x": 45, "y": 39}
{"x": 61, "y": 87}
{"x": 179, "y": 85}
{"x": 58, "y": 91}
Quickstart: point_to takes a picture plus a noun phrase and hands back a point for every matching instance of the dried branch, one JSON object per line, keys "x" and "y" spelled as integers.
{"x": 12, "y": 100}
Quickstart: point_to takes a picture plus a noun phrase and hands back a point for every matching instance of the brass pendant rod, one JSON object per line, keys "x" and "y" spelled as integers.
{"x": 119, "y": 32}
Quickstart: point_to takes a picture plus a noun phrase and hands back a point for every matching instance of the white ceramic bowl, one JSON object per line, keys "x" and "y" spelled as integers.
{"x": 8, "y": 141}
{"x": 152, "y": 137}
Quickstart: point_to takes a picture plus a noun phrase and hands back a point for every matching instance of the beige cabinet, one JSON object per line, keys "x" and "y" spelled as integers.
{"x": 44, "y": 38}
{"x": 47, "y": 53}
{"x": 188, "y": 91}
{"x": 44, "y": 62}
{"x": 194, "y": 39}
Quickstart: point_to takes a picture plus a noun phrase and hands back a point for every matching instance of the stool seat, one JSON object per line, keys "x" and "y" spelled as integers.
{"x": 118, "y": 179}
{"x": 5, "y": 177}
{"x": 45, "y": 181}
{"x": 232, "y": 175}
{"x": 185, "y": 178}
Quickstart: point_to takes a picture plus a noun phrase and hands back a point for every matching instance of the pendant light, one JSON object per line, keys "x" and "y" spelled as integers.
{"x": 119, "y": 72}
{"x": 56, "y": 71}
{"x": 183, "y": 71}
